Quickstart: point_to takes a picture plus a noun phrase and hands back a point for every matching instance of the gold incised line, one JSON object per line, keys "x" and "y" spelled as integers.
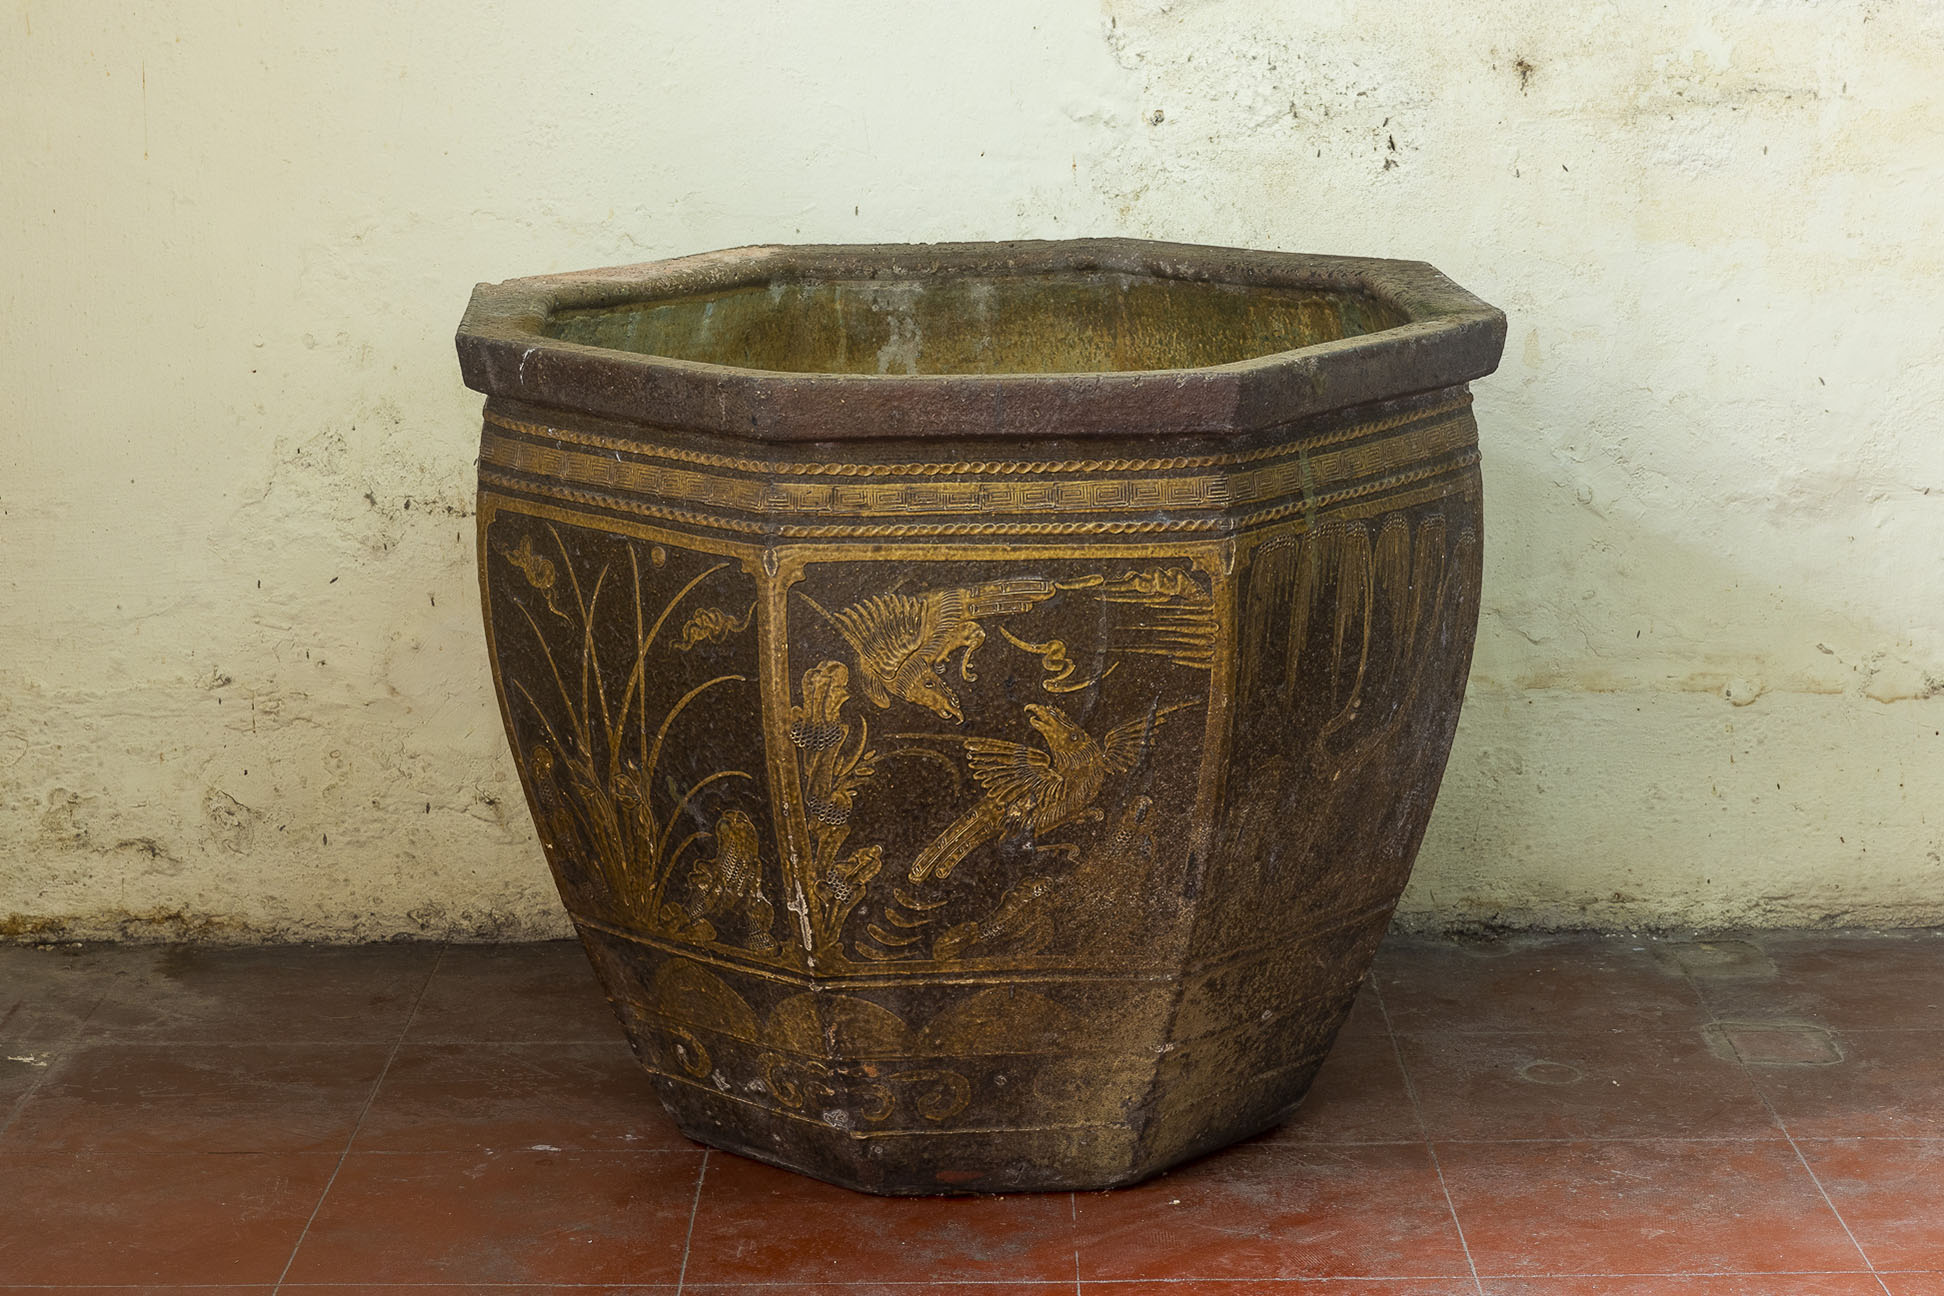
{"x": 718, "y": 1038}
{"x": 520, "y": 500}
{"x": 724, "y": 1040}
{"x": 1023, "y": 972}
{"x": 1219, "y": 523}
{"x": 596, "y": 499}
{"x": 927, "y": 1132}
{"x": 931, "y": 1133}
{"x": 976, "y": 467}
{"x": 1048, "y": 972}
{"x": 1097, "y": 495}
{"x": 886, "y": 499}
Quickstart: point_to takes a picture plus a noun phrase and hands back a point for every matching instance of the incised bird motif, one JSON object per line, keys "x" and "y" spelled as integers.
{"x": 1030, "y": 791}
{"x": 902, "y": 639}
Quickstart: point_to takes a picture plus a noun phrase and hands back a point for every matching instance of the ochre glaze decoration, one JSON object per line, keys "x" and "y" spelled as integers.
{"x": 980, "y": 779}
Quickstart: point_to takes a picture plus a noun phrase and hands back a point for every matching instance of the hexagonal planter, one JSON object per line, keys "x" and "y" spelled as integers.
{"x": 980, "y": 702}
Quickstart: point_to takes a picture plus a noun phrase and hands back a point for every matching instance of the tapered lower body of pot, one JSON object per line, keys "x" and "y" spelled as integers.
{"x": 941, "y": 820}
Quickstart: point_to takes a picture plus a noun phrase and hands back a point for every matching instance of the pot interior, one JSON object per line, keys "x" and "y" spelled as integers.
{"x": 1055, "y": 322}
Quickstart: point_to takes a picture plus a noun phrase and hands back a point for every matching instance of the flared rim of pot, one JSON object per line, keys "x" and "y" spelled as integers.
{"x": 1401, "y": 327}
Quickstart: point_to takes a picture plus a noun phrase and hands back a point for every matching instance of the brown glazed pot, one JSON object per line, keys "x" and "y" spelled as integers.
{"x": 980, "y": 702}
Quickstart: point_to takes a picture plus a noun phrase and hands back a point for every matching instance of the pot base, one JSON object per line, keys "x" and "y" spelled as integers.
{"x": 892, "y": 1126}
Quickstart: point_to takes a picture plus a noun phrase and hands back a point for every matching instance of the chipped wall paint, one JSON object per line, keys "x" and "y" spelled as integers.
{"x": 242, "y": 693}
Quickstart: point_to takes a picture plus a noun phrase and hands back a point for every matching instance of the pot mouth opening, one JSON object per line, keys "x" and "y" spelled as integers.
{"x": 1038, "y": 322}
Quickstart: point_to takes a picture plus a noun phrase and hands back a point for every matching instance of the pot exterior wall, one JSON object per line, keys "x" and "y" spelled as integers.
{"x": 981, "y": 816}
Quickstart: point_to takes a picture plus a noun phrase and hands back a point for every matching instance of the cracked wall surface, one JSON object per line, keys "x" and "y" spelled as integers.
{"x": 243, "y": 693}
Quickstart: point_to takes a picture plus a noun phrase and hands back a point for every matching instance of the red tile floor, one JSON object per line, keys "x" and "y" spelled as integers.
{"x": 1539, "y": 1117}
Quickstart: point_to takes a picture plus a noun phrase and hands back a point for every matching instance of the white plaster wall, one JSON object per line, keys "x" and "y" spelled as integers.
{"x": 242, "y": 691}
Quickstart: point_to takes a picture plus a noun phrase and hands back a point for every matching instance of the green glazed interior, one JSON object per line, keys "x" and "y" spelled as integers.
{"x": 1039, "y": 323}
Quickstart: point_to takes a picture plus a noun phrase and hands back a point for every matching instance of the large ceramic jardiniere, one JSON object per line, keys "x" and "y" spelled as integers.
{"x": 980, "y": 702}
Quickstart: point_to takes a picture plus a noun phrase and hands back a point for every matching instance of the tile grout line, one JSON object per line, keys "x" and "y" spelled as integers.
{"x": 1265, "y": 1150}
{"x": 62, "y": 1053}
{"x": 695, "y": 1207}
{"x": 363, "y": 1112}
{"x": 925, "y": 1287}
{"x": 1815, "y": 1179}
{"x": 20, "y": 1103}
{"x": 1417, "y": 1114}
{"x": 1298, "y": 1284}
{"x": 1714, "y": 1022}
{"x": 1269, "y": 1149}
{"x": 1073, "y": 1213}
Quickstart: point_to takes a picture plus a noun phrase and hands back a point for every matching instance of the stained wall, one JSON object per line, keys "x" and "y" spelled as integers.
{"x": 242, "y": 693}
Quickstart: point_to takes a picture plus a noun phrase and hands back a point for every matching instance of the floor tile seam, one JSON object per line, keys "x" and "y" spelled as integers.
{"x": 1780, "y": 1143}
{"x": 1073, "y": 1222}
{"x": 55, "y": 1155}
{"x": 616, "y": 1040}
{"x": 1754, "y": 1084}
{"x": 204, "y": 1042}
{"x": 1285, "y": 1147}
{"x": 1451, "y": 1205}
{"x": 351, "y": 1140}
{"x": 732, "y": 1286}
{"x": 1721, "y": 1005}
{"x": 1692, "y": 1273}
{"x": 1741, "y": 1064}
{"x": 1567, "y": 1031}
{"x": 1288, "y": 1280}
{"x": 1289, "y": 1147}
{"x": 1035, "y": 1284}
{"x": 477, "y": 1042}
{"x": 695, "y": 1209}
{"x": 1300, "y": 1282}
{"x": 1419, "y": 1028}
{"x": 73, "y": 1032}
{"x": 1417, "y": 1112}
{"x": 20, "y": 1105}
{"x": 1821, "y": 1191}
{"x": 97, "y": 1154}
{"x": 927, "y": 1284}
{"x": 1276, "y": 1143}
{"x": 1774, "y": 1138}
{"x": 1397, "y": 1055}
{"x": 1835, "y": 1029}
{"x": 1860, "y": 1034}
{"x": 104, "y": 1042}
{"x": 142, "y": 1034}
{"x": 1029, "y": 1284}
{"x": 47, "y": 1069}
